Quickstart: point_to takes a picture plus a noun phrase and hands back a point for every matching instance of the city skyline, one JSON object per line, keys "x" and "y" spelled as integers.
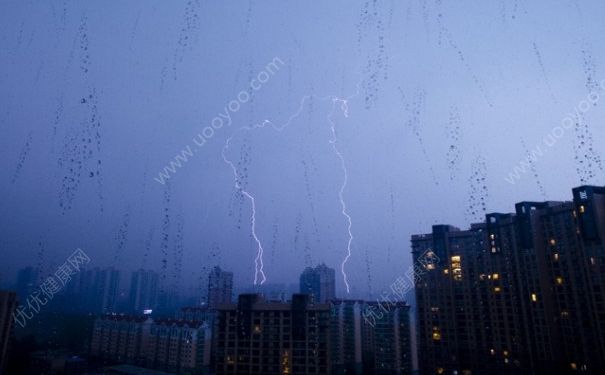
{"x": 367, "y": 187}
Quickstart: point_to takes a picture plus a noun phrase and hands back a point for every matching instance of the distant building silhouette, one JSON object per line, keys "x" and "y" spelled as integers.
{"x": 8, "y": 304}
{"x": 319, "y": 282}
{"x": 99, "y": 289}
{"x": 220, "y": 287}
{"x": 27, "y": 282}
{"x": 144, "y": 289}
{"x": 520, "y": 293}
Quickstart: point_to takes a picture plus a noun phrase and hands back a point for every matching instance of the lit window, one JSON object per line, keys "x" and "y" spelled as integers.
{"x": 436, "y": 334}
{"x": 493, "y": 249}
{"x": 555, "y": 256}
{"x": 497, "y": 289}
{"x": 573, "y": 366}
{"x": 440, "y": 370}
{"x": 534, "y": 297}
{"x": 495, "y": 276}
{"x": 582, "y": 209}
{"x": 456, "y": 267}
{"x": 553, "y": 242}
{"x": 592, "y": 261}
{"x": 559, "y": 280}
{"x": 492, "y": 236}
{"x": 430, "y": 266}
{"x": 446, "y": 271}
{"x": 492, "y": 352}
{"x": 434, "y": 309}
{"x": 564, "y": 314}
{"x": 505, "y": 353}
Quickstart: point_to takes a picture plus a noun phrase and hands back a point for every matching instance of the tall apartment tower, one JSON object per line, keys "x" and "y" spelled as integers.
{"x": 99, "y": 289}
{"x": 346, "y": 336}
{"x": 387, "y": 343}
{"x": 144, "y": 289}
{"x": 220, "y": 287}
{"x": 521, "y": 293}
{"x": 380, "y": 345}
{"x": 27, "y": 282}
{"x": 8, "y": 304}
{"x": 320, "y": 282}
{"x": 271, "y": 338}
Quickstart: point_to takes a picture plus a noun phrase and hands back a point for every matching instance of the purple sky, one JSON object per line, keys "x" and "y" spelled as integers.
{"x": 98, "y": 98}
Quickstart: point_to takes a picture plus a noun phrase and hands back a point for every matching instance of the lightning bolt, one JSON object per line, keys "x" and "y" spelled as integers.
{"x": 258, "y": 261}
{"x": 333, "y": 141}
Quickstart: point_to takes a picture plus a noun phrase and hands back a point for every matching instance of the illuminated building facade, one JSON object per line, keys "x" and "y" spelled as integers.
{"x": 519, "y": 293}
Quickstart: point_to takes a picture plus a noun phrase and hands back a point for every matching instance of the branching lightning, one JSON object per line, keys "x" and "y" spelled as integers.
{"x": 258, "y": 261}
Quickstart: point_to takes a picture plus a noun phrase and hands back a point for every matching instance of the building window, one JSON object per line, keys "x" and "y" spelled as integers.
{"x": 436, "y": 334}
{"x": 534, "y": 297}
{"x": 456, "y": 266}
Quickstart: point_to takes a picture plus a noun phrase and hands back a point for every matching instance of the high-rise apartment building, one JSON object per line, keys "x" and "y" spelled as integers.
{"x": 121, "y": 338}
{"x": 8, "y": 304}
{"x": 346, "y": 336}
{"x": 377, "y": 343}
{"x": 144, "y": 289}
{"x": 175, "y": 346}
{"x": 98, "y": 289}
{"x": 27, "y": 282}
{"x": 520, "y": 293}
{"x": 387, "y": 347}
{"x": 259, "y": 337}
{"x": 319, "y": 282}
{"x": 179, "y": 346}
{"x": 220, "y": 287}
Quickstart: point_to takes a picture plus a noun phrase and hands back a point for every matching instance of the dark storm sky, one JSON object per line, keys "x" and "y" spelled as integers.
{"x": 444, "y": 100}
